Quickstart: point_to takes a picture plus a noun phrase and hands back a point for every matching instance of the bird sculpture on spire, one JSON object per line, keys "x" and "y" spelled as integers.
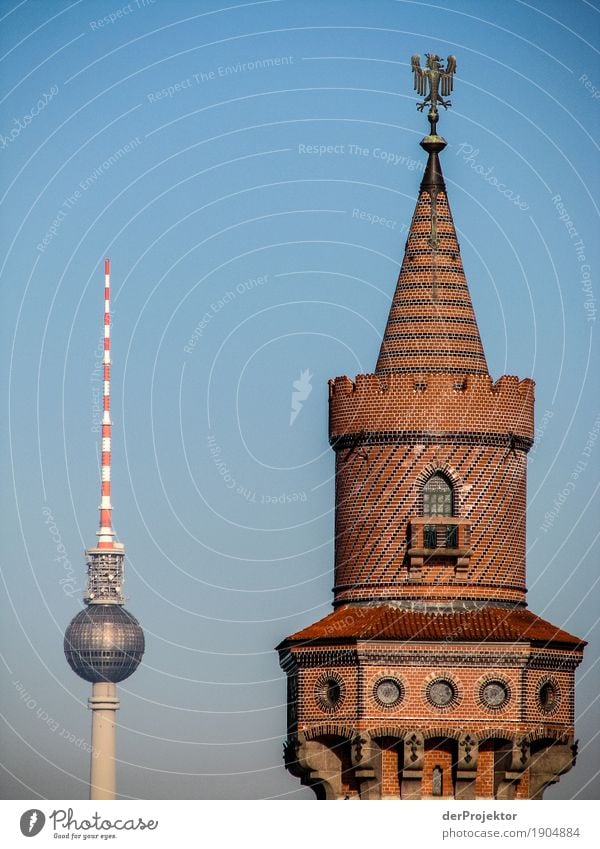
{"x": 434, "y": 77}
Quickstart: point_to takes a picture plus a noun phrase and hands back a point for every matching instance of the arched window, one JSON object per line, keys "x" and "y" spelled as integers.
{"x": 438, "y": 497}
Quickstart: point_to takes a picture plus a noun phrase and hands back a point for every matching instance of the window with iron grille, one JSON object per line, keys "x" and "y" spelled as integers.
{"x": 437, "y": 497}
{"x": 429, "y": 536}
{"x": 451, "y": 536}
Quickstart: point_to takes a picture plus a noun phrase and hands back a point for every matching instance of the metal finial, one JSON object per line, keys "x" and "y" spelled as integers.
{"x": 433, "y": 76}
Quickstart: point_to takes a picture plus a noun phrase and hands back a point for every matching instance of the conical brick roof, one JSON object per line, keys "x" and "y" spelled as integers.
{"x": 432, "y": 326}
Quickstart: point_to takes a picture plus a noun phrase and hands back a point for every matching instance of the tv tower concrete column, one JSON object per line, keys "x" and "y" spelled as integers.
{"x": 103, "y": 703}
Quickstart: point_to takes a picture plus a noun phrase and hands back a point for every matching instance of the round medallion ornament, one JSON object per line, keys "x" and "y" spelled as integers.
{"x": 388, "y": 692}
{"x": 330, "y": 691}
{"x": 548, "y": 695}
{"x": 494, "y": 694}
{"x": 441, "y": 693}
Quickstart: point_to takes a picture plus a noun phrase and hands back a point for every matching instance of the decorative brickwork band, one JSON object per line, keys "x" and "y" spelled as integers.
{"x": 351, "y": 441}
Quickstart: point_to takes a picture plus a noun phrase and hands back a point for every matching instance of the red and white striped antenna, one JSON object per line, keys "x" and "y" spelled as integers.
{"x": 106, "y": 560}
{"x": 106, "y": 533}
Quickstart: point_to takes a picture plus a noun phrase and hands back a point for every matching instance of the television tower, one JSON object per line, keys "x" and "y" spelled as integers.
{"x": 104, "y": 643}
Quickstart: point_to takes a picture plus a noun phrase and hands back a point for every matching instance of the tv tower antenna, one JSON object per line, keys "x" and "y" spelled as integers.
{"x": 104, "y": 643}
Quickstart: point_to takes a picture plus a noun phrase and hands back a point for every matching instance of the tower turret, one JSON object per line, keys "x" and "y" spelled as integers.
{"x": 430, "y": 678}
{"x": 104, "y": 643}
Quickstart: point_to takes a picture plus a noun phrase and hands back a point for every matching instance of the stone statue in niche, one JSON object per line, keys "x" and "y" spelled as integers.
{"x": 436, "y": 781}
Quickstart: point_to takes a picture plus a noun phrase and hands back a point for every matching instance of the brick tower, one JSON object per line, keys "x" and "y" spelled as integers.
{"x": 430, "y": 678}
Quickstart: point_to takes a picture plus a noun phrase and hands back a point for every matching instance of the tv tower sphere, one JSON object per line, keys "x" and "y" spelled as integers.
{"x": 104, "y": 642}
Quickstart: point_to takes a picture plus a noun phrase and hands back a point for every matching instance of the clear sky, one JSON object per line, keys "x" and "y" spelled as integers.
{"x": 213, "y": 152}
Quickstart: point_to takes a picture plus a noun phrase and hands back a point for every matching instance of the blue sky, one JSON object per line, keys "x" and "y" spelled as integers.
{"x": 217, "y": 155}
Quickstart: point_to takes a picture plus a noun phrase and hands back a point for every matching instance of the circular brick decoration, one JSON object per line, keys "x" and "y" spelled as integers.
{"x": 548, "y": 695}
{"x": 442, "y": 693}
{"x": 494, "y": 693}
{"x": 388, "y": 692}
{"x": 330, "y": 691}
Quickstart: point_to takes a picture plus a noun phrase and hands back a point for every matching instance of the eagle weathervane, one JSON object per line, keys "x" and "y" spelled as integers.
{"x": 434, "y": 76}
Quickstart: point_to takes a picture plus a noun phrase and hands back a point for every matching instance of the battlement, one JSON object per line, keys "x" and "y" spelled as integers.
{"x": 433, "y": 403}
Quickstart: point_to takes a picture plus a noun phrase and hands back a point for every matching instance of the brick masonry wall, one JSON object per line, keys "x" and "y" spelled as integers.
{"x": 562, "y": 711}
{"x": 359, "y": 707}
{"x": 390, "y": 767}
{"x": 438, "y": 753}
{"x": 376, "y": 497}
{"x": 359, "y": 712}
{"x": 484, "y": 782}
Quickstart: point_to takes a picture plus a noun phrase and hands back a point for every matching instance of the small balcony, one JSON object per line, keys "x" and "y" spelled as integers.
{"x": 439, "y": 537}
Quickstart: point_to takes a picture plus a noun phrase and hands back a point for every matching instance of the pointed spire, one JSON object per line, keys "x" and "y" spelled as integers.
{"x": 432, "y": 326}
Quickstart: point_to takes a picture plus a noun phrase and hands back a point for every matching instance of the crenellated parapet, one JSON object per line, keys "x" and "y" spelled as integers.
{"x": 376, "y": 409}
